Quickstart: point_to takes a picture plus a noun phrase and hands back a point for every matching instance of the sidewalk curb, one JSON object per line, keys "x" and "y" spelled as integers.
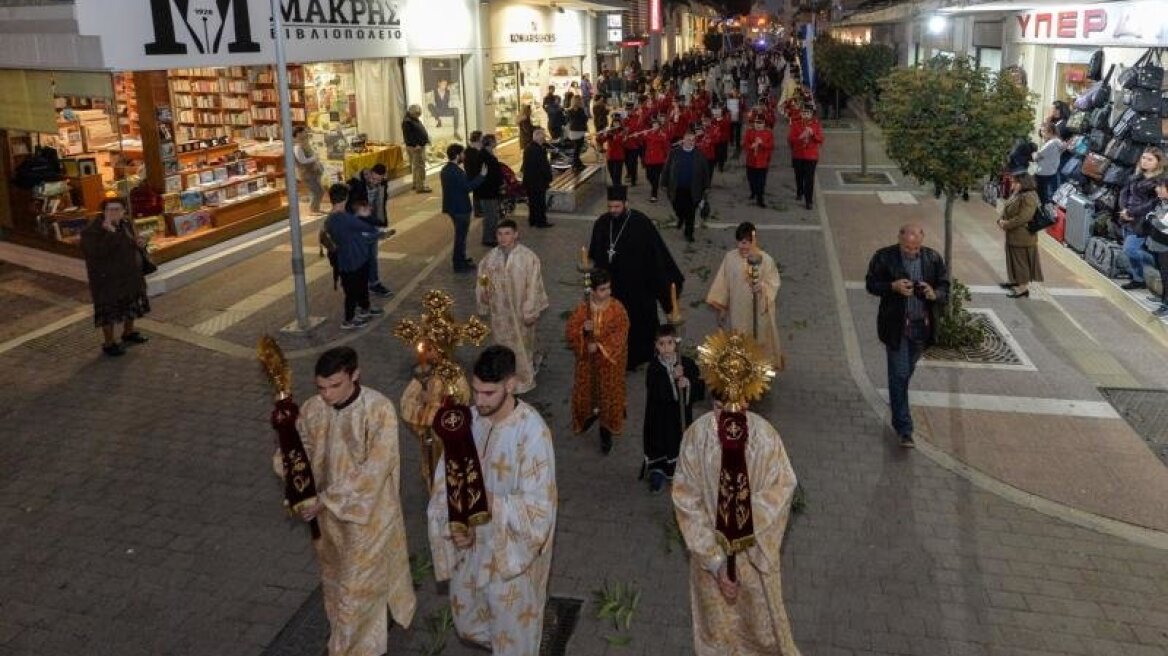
{"x": 1098, "y": 523}
{"x": 1109, "y": 290}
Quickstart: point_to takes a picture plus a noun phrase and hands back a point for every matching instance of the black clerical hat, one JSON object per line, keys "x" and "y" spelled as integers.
{"x": 618, "y": 192}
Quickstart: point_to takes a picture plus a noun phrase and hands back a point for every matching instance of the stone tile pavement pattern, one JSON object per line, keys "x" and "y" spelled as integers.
{"x": 141, "y": 517}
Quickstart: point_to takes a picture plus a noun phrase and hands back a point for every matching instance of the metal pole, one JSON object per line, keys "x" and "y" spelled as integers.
{"x": 298, "y": 282}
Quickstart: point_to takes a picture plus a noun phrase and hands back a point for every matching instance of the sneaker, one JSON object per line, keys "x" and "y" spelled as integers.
{"x": 354, "y": 324}
{"x": 656, "y": 482}
{"x": 907, "y": 442}
{"x": 380, "y": 290}
{"x": 1162, "y": 311}
{"x": 652, "y": 199}
{"x": 373, "y": 311}
{"x": 113, "y": 350}
{"x": 1135, "y": 284}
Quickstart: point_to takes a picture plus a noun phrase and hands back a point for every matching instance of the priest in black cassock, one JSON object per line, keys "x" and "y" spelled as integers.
{"x": 626, "y": 243}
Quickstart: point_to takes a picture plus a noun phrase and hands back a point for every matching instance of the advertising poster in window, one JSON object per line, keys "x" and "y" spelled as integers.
{"x": 443, "y": 109}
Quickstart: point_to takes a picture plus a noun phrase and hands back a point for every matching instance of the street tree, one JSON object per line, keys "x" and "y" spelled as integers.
{"x": 856, "y": 71}
{"x": 949, "y": 123}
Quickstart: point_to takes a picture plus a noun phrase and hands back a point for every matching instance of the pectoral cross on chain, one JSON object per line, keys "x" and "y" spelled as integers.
{"x": 611, "y": 254}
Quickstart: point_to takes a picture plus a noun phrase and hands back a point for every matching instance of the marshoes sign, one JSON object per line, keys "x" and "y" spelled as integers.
{"x": 192, "y": 33}
{"x": 1136, "y": 24}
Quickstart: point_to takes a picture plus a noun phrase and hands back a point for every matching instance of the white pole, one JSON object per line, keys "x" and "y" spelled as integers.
{"x": 298, "y": 282}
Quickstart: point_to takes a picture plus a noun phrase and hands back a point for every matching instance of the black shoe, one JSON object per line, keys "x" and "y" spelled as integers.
{"x": 1135, "y": 284}
{"x": 808, "y": 205}
{"x": 689, "y": 238}
{"x": 546, "y": 224}
{"x": 1161, "y": 311}
{"x": 381, "y": 290}
{"x": 760, "y": 203}
{"x": 134, "y": 338}
{"x": 469, "y": 262}
{"x": 1007, "y": 285}
{"x": 605, "y": 441}
{"x": 1025, "y": 294}
{"x": 906, "y": 441}
{"x": 656, "y": 482}
{"x": 113, "y": 350}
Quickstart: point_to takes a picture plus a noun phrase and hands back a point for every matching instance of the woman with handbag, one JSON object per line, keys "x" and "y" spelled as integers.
{"x": 1137, "y": 198}
{"x": 1048, "y": 158}
{"x": 115, "y": 261}
{"x": 1022, "y": 264}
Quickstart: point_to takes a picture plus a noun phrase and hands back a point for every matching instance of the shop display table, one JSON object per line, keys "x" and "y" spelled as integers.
{"x": 391, "y": 156}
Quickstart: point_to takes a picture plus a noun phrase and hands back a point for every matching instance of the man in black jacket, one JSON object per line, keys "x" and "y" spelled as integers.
{"x": 490, "y": 190}
{"x": 372, "y": 186}
{"x": 912, "y": 282}
{"x": 537, "y": 177}
{"x": 417, "y": 139}
{"x": 472, "y": 163}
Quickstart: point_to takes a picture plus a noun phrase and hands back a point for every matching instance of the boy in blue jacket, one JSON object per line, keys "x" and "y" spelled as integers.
{"x": 350, "y": 237}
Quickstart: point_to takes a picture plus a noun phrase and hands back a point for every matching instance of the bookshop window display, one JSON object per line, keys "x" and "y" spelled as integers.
{"x": 197, "y": 152}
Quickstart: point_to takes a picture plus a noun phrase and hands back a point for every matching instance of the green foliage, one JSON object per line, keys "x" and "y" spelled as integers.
{"x": 956, "y": 328}
{"x": 421, "y": 568}
{"x": 855, "y": 70}
{"x": 617, "y": 602}
{"x": 439, "y": 625}
{"x": 949, "y": 122}
{"x": 672, "y": 534}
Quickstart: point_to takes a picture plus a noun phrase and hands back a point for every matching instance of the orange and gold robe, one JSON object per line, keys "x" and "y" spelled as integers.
{"x": 611, "y": 331}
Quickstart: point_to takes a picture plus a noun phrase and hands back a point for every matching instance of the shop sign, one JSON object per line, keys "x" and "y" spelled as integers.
{"x": 158, "y": 34}
{"x": 655, "y": 22}
{"x": 1114, "y": 24}
{"x": 634, "y": 43}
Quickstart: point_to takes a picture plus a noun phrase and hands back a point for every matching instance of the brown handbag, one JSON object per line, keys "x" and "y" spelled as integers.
{"x": 1095, "y": 166}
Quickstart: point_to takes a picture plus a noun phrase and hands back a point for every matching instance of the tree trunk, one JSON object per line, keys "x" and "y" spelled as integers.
{"x": 950, "y": 197}
{"x": 862, "y": 114}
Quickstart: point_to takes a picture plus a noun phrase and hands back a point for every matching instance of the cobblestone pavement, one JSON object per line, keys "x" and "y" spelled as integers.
{"x": 141, "y": 517}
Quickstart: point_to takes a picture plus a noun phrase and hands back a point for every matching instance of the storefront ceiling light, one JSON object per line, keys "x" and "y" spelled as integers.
{"x": 992, "y": 6}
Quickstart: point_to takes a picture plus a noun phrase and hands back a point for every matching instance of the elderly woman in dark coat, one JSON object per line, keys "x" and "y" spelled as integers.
{"x": 116, "y": 283}
{"x": 1022, "y": 265}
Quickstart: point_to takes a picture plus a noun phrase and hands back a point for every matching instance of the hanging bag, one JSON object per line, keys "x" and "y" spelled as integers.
{"x": 1117, "y": 175}
{"x": 1144, "y": 101}
{"x": 1095, "y": 67}
{"x": 1079, "y": 122}
{"x": 1146, "y": 129}
{"x": 1101, "y": 118}
{"x": 1095, "y": 166}
{"x": 1123, "y": 152}
{"x": 1122, "y": 125}
{"x": 1146, "y": 73}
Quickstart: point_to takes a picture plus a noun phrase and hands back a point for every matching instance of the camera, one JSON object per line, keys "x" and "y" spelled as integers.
{"x": 919, "y": 290}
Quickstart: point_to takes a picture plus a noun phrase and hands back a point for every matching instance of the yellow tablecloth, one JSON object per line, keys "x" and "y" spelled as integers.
{"x": 391, "y": 156}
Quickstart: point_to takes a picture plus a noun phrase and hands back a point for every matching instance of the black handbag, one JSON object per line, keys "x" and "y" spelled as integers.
{"x": 1101, "y": 118}
{"x": 1079, "y": 122}
{"x": 1123, "y": 152}
{"x": 1146, "y": 129}
{"x": 1117, "y": 175}
{"x": 148, "y": 265}
{"x": 1164, "y": 106}
{"x": 1045, "y": 215}
{"x": 1095, "y": 67}
{"x": 1098, "y": 140}
{"x": 1144, "y": 101}
{"x": 1122, "y": 124}
{"x": 1146, "y": 73}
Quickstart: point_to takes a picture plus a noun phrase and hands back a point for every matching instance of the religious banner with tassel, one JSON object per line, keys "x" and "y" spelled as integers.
{"x": 466, "y": 494}
{"x": 299, "y": 484}
{"x": 738, "y": 372}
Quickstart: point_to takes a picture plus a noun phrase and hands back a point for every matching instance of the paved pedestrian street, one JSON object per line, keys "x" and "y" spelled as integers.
{"x": 141, "y": 515}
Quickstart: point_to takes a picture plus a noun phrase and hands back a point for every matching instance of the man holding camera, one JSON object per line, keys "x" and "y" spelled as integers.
{"x": 912, "y": 282}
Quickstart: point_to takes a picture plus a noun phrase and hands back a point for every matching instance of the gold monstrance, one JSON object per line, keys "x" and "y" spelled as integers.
{"x": 738, "y": 371}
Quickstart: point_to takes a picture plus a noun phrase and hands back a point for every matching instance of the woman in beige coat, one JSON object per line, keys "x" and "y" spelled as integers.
{"x": 1022, "y": 265}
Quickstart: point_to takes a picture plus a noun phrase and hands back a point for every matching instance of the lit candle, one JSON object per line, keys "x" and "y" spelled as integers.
{"x": 583, "y": 257}
{"x": 421, "y": 353}
{"x": 676, "y": 311}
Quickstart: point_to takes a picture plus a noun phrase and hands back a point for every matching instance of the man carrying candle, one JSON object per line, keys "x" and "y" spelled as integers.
{"x": 732, "y": 494}
{"x": 745, "y": 293}
{"x": 498, "y": 570}
{"x": 510, "y": 290}
{"x": 627, "y": 245}
{"x": 350, "y": 437}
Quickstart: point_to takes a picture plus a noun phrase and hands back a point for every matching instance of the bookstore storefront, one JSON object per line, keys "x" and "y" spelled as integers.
{"x": 533, "y": 48}
{"x": 187, "y": 125}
